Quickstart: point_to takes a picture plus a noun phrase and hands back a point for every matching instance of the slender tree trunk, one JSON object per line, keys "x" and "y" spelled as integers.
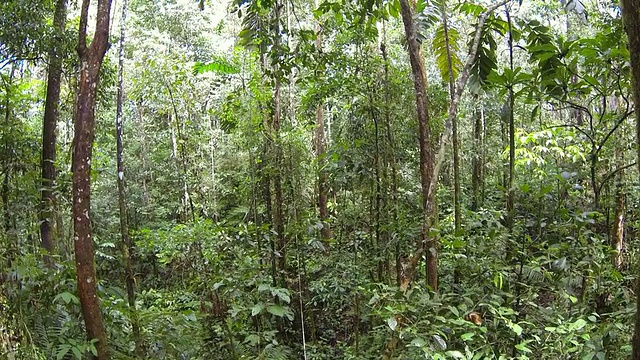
{"x": 323, "y": 187}
{"x": 7, "y": 166}
{"x": 264, "y": 174}
{"x": 378, "y": 191}
{"x": 617, "y": 233}
{"x": 142, "y": 133}
{"x": 391, "y": 153}
{"x": 512, "y": 142}
{"x": 631, "y": 19}
{"x": 278, "y": 219}
{"x": 127, "y": 244}
{"x": 454, "y": 126}
{"x": 426, "y": 154}
{"x": 476, "y": 179}
{"x": 181, "y": 152}
{"x": 213, "y": 127}
{"x": 48, "y": 216}
{"x": 84, "y": 123}
{"x": 504, "y": 142}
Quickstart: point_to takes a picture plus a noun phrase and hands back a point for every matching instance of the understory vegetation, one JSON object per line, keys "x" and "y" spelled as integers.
{"x": 290, "y": 179}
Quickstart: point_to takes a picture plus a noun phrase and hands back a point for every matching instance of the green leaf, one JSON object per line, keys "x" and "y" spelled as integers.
{"x": 516, "y": 328}
{"x": 439, "y": 46}
{"x": 276, "y": 310}
{"x": 257, "y": 309}
{"x": 252, "y": 339}
{"x": 77, "y": 353}
{"x": 67, "y": 297}
{"x": 393, "y": 8}
{"x": 62, "y": 351}
{"x": 92, "y": 347}
{"x": 578, "y": 324}
{"x": 418, "y": 342}
{"x": 467, "y": 336}
{"x": 455, "y": 354}
{"x": 486, "y": 60}
{"x": 283, "y": 295}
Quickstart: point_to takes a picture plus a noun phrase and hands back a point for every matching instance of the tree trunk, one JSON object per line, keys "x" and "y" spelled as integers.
{"x": 617, "y": 233}
{"x": 476, "y": 179}
{"x": 278, "y": 221}
{"x": 454, "y": 127}
{"x": 426, "y": 155}
{"x": 278, "y": 218}
{"x": 84, "y": 125}
{"x": 631, "y": 19}
{"x": 430, "y": 165}
{"x": 391, "y": 154}
{"x": 142, "y": 135}
{"x": 48, "y": 216}
{"x": 181, "y": 152}
{"x": 512, "y": 142}
{"x": 127, "y": 244}
{"x": 323, "y": 190}
{"x": 7, "y": 158}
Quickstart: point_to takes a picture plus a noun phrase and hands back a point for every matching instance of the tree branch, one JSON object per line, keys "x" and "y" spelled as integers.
{"x": 611, "y": 174}
{"x": 460, "y": 85}
{"x": 82, "y": 35}
{"x": 613, "y": 129}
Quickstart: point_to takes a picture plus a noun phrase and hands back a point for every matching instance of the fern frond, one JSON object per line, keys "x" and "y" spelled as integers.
{"x": 217, "y": 65}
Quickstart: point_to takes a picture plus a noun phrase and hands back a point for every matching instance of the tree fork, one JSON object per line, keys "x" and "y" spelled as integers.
{"x": 446, "y": 134}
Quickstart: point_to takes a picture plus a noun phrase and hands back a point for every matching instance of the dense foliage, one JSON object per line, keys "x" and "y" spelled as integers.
{"x": 273, "y": 186}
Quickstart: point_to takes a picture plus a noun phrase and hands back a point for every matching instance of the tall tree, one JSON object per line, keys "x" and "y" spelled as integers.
{"x": 430, "y": 165}
{"x": 320, "y": 146}
{"x": 631, "y": 19}
{"x": 278, "y": 202}
{"x": 7, "y": 167}
{"x": 426, "y": 154}
{"x": 512, "y": 144}
{"x": 49, "y": 125}
{"x": 449, "y": 47}
{"x": 127, "y": 245}
{"x": 91, "y": 58}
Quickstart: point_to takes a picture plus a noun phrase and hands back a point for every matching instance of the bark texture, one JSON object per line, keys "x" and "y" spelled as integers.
{"x": 51, "y": 110}
{"x": 91, "y": 58}
{"x": 631, "y": 19}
